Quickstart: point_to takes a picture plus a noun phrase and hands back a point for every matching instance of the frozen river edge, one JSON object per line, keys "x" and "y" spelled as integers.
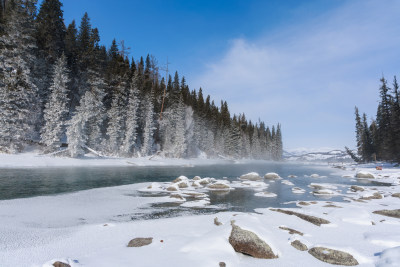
{"x": 42, "y": 230}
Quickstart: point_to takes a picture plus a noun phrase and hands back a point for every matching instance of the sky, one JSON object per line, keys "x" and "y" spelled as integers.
{"x": 303, "y": 64}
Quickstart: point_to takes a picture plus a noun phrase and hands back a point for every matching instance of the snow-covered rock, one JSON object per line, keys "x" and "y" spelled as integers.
{"x": 173, "y": 187}
{"x": 265, "y": 194}
{"x": 252, "y": 176}
{"x": 333, "y": 256}
{"x": 180, "y": 179}
{"x": 271, "y": 175}
{"x": 364, "y": 174}
{"x": 286, "y": 182}
{"x": 219, "y": 186}
{"x": 298, "y": 190}
{"x": 249, "y": 243}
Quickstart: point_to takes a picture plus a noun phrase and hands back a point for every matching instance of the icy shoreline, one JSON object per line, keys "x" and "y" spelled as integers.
{"x": 79, "y": 229}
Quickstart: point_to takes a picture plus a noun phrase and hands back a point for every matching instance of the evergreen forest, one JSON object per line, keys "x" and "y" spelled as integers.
{"x": 380, "y": 139}
{"x": 63, "y": 91}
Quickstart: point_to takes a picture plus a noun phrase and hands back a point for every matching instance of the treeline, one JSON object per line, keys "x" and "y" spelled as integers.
{"x": 380, "y": 139}
{"x": 59, "y": 85}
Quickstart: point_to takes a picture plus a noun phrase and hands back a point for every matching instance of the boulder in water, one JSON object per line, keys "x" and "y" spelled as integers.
{"x": 271, "y": 175}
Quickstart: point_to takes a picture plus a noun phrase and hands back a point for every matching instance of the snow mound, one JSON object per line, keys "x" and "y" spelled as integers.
{"x": 265, "y": 194}
{"x": 364, "y": 174}
{"x": 298, "y": 190}
{"x": 271, "y": 175}
{"x": 252, "y": 176}
{"x": 286, "y": 182}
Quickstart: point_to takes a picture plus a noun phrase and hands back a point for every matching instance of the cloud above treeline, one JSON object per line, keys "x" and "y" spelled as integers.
{"x": 309, "y": 76}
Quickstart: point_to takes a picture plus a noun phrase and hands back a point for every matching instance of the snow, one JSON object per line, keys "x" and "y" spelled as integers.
{"x": 93, "y": 227}
{"x": 389, "y": 258}
{"x": 33, "y": 160}
{"x": 286, "y": 182}
{"x": 265, "y": 194}
{"x": 252, "y": 176}
{"x": 298, "y": 190}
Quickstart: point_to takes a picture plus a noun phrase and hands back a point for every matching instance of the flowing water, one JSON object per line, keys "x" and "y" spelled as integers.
{"x": 30, "y": 182}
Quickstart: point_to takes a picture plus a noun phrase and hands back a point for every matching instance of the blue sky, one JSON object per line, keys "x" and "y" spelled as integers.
{"x": 305, "y": 64}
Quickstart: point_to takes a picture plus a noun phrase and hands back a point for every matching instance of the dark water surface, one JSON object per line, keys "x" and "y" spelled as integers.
{"x": 29, "y": 182}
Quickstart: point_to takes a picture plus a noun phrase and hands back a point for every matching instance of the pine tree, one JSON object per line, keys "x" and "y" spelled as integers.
{"x": 367, "y": 148}
{"x": 84, "y": 127}
{"x": 148, "y": 125}
{"x": 51, "y": 30}
{"x": 395, "y": 122}
{"x": 180, "y": 143}
{"x": 132, "y": 117}
{"x": 96, "y": 110}
{"x": 383, "y": 122}
{"x": 255, "y": 144}
{"x": 56, "y": 108}
{"x": 18, "y": 92}
{"x": 359, "y": 132}
{"x": 76, "y": 129}
{"x": 84, "y": 36}
{"x": 71, "y": 46}
{"x": 278, "y": 143}
{"x": 116, "y": 119}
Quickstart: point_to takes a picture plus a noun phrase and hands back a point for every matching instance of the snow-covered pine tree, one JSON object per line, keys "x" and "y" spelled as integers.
{"x": 56, "y": 108}
{"x": 255, "y": 144}
{"x": 180, "y": 145}
{"x": 278, "y": 143}
{"x": 268, "y": 138}
{"x": 18, "y": 93}
{"x": 129, "y": 142}
{"x": 95, "y": 119}
{"x": 234, "y": 139}
{"x": 84, "y": 127}
{"x": 116, "y": 119}
{"x": 149, "y": 126}
{"x": 76, "y": 128}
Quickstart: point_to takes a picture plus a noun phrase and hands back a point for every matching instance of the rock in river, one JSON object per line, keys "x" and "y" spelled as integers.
{"x": 252, "y": 176}
{"x": 271, "y": 175}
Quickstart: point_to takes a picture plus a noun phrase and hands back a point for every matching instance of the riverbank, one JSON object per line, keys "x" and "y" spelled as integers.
{"x": 94, "y": 227}
{"x": 36, "y": 160}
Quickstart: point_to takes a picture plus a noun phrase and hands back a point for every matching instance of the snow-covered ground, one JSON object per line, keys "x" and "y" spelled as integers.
{"x": 93, "y": 227}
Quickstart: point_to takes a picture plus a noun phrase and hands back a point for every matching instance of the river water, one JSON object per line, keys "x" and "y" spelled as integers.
{"x": 30, "y": 182}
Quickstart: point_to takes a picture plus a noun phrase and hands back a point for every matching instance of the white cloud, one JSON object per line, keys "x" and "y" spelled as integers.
{"x": 310, "y": 76}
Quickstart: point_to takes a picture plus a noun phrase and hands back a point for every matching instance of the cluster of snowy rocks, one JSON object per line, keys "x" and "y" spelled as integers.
{"x": 194, "y": 192}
